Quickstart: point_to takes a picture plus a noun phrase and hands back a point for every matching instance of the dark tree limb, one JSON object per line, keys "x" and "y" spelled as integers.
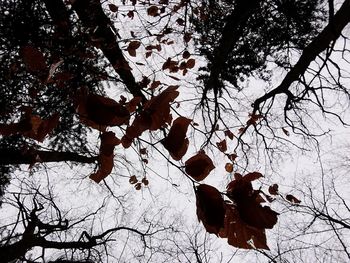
{"x": 328, "y": 35}
{"x": 232, "y": 32}
{"x": 8, "y": 157}
{"x": 93, "y": 17}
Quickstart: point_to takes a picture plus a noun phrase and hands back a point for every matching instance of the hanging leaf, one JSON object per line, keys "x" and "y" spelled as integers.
{"x": 229, "y": 134}
{"x": 222, "y": 146}
{"x": 133, "y": 45}
{"x": 190, "y": 63}
{"x": 239, "y": 234}
{"x": 152, "y": 10}
{"x": 285, "y": 131}
{"x": 232, "y": 156}
{"x": 293, "y": 199}
{"x": 186, "y": 54}
{"x": 273, "y": 189}
{"x": 31, "y": 126}
{"x": 113, "y": 8}
{"x": 133, "y": 179}
{"x": 155, "y": 114}
{"x": 248, "y": 202}
{"x": 229, "y": 167}
{"x": 176, "y": 142}
{"x": 98, "y": 112}
{"x": 155, "y": 84}
{"x": 210, "y": 208}
{"x": 199, "y": 166}
{"x": 106, "y": 156}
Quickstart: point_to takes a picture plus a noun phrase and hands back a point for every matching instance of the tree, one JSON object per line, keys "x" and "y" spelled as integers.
{"x": 84, "y": 73}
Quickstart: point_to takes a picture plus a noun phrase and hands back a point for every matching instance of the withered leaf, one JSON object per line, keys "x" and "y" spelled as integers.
{"x": 239, "y": 234}
{"x": 199, "y": 166}
{"x": 133, "y": 45}
{"x": 152, "y": 10}
{"x": 133, "y": 179}
{"x": 98, "y": 112}
{"x": 176, "y": 142}
{"x": 229, "y": 134}
{"x": 155, "y": 114}
{"x": 273, "y": 189}
{"x": 210, "y": 208}
{"x": 229, "y": 167}
{"x": 190, "y": 63}
{"x": 248, "y": 202}
{"x": 113, "y": 8}
{"x": 105, "y": 158}
{"x": 293, "y": 199}
{"x": 222, "y": 146}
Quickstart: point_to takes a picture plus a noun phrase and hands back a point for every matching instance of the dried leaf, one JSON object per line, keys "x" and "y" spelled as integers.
{"x": 176, "y": 142}
{"x": 229, "y": 134}
{"x": 210, "y": 208}
{"x": 222, "y": 146}
{"x": 105, "y": 158}
{"x": 145, "y": 181}
{"x": 133, "y": 179}
{"x": 152, "y": 10}
{"x": 133, "y": 45}
{"x": 248, "y": 202}
{"x": 155, "y": 114}
{"x": 155, "y": 84}
{"x": 239, "y": 234}
{"x": 286, "y": 132}
{"x": 190, "y": 63}
{"x": 273, "y": 189}
{"x": 186, "y": 54}
{"x": 98, "y": 112}
{"x": 293, "y": 199}
{"x": 199, "y": 166}
{"x": 113, "y": 8}
{"x": 229, "y": 167}
{"x": 138, "y": 186}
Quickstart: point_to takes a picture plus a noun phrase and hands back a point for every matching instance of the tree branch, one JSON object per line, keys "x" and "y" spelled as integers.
{"x": 8, "y": 156}
{"x": 329, "y": 34}
{"x": 92, "y": 17}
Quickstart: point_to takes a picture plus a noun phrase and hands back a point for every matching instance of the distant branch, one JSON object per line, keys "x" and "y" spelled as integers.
{"x": 329, "y": 34}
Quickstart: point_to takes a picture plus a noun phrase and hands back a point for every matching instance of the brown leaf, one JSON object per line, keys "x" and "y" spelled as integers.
{"x": 138, "y": 186}
{"x": 229, "y": 134}
{"x": 273, "y": 189}
{"x": 155, "y": 84}
{"x": 105, "y": 158}
{"x": 229, "y": 167}
{"x": 152, "y": 10}
{"x": 210, "y": 208}
{"x": 248, "y": 202}
{"x": 293, "y": 199}
{"x": 176, "y": 142}
{"x": 133, "y": 45}
{"x": 232, "y": 156}
{"x": 113, "y": 8}
{"x": 187, "y": 37}
{"x": 133, "y": 179}
{"x": 98, "y": 112}
{"x": 222, "y": 146}
{"x": 239, "y": 234}
{"x": 286, "y": 132}
{"x": 186, "y": 54}
{"x": 155, "y": 114}
{"x": 190, "y": 63}
{"x": 145, "y": 181}
{"x": 199, "y": 166}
